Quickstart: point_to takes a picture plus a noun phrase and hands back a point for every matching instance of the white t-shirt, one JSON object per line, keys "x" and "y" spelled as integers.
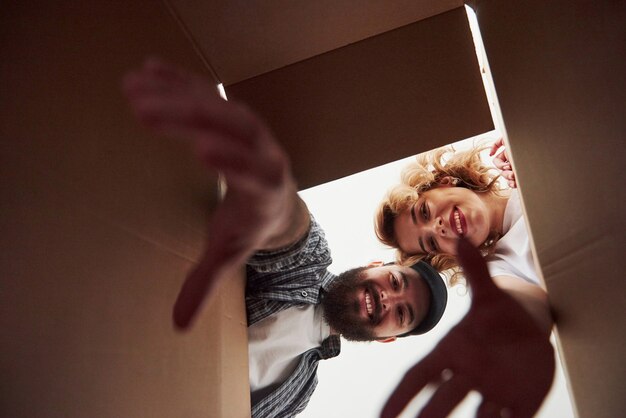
{"x": 512, "y": 256}
{"x": 276, "y": 343}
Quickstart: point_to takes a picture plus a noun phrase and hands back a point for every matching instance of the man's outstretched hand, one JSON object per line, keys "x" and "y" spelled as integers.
{"x": 229, "y": 139}
{"x": 496, "y": 350}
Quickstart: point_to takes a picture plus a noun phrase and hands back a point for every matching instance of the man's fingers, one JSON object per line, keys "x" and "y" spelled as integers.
{"x": 196, "y": 117}
{"x": 160, "y": 93}
{"x": 223, "y": 148}
{"x": 202, "y": 280}
{"x": 241, "y": 166}
{"x": 446, "y": 398}
{"x": 198, "y": 286}
{"x": 137, "y": 84}
{"x": 414, "y": 380}
{"x": 217, "y": 150}
{"x": 175, "y": 76}
{"x": 163, "y": 69}
{"x": 225, "y": 155}
{"x": 232, "y": 238}
{"x": 475, "y": 269}
{"x": 222, "y": 258}
{"x": 157, "y": 76}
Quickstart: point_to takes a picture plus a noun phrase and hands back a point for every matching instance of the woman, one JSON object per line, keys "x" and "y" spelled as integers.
{"x": 447, "y": 194}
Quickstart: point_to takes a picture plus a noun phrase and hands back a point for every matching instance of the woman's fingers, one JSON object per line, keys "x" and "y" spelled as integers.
{"x": 499, "y": 143}
{"x": 447, "y": 396}
{"x": 501, "y": 161}
{"x": 427, "y": 370}
{"x": 489, "y": 409}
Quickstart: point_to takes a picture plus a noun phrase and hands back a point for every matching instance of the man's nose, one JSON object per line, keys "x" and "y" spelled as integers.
{"x": 387, "y": 300}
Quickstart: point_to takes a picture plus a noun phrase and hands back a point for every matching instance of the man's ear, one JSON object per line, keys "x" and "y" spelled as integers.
{"x": 387, "y": 340}
{"x": 376, "y": 263}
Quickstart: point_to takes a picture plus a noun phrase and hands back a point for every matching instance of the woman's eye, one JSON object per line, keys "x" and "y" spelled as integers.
{"x": 433, "y": 244}
{"x": 424, "y": 211}
{"x": 401, "y": 315}
{"x": 394, "y": 283}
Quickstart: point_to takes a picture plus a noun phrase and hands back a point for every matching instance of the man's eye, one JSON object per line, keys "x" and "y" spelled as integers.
{"x": 401, "y": 315}
{"x": 394, "y": 283}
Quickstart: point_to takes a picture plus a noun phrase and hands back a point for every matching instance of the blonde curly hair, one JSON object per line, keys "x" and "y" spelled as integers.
{"x": 426, "y": 173}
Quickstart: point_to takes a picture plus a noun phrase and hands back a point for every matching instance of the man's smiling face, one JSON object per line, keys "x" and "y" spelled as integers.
{"x": 379, "y": 302}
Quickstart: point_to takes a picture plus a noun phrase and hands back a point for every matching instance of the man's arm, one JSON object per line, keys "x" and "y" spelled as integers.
{"x": 295, "y": 227}
{"x": 497, "y": 349}
{"x": 261, "y": 208}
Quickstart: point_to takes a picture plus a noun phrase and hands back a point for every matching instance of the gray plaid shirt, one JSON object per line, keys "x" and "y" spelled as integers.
{"x": 277, "y": 280}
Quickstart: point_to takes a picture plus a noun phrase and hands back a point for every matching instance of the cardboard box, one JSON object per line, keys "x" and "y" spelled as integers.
{"x": 384, "y": 98}
{"x": 101, "y": 221}
{"x": 335, "y": 79}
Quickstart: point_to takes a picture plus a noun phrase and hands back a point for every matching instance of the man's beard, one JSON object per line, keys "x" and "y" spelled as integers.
{"x": 342, "y": 309}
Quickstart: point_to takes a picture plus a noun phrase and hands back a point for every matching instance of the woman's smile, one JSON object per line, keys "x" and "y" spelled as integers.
{"x": 457, "y": 222}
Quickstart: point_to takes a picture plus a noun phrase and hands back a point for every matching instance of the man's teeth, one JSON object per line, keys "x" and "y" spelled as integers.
{"x": 457, "y": 221}
{"x": 369, "y": 306}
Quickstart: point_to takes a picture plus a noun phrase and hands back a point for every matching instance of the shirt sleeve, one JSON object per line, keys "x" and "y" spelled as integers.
{"x": 310, "y": 250}
{"x": 500, "y": 268}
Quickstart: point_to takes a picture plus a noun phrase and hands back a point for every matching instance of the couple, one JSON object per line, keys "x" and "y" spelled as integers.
{"x": 297, "y": 309}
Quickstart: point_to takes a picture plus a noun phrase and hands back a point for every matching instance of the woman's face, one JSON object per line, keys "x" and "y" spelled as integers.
{"x": 433, "y": 223}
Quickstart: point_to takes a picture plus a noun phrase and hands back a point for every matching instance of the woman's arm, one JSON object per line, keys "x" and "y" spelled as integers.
{"x": 532, "y": 298}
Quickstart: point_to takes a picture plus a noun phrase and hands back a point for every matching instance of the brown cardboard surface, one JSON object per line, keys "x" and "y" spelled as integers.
{"x": 558, "y": 69}
{"x": 375, "y": 101}
{"x": 245, "y": 38}
{"x": 100, "y": 222}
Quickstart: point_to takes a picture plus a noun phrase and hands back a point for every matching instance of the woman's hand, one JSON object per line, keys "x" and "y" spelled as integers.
{"x": 501, "y": 161}
{"x": 497, "y": 349}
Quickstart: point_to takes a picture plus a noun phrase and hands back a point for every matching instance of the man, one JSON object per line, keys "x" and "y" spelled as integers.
{"x": 296, "y": 308}
{"x": 497, "y": 349}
